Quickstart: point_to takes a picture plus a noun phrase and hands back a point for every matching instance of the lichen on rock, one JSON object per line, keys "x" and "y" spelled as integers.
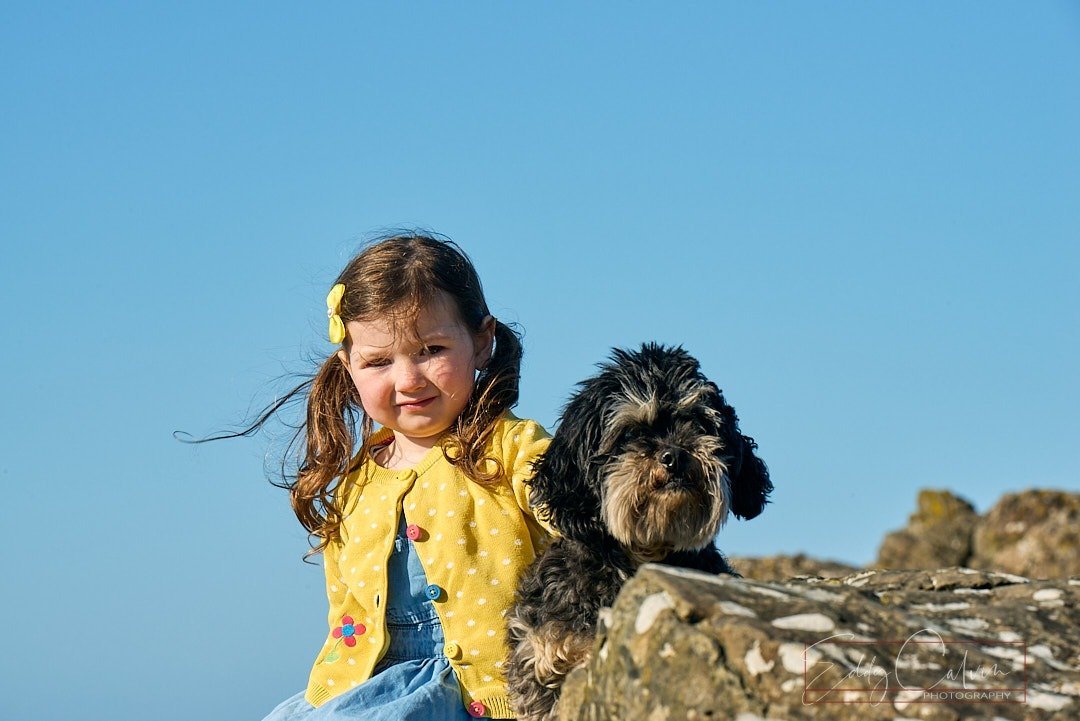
{"x": 691, "y": 658}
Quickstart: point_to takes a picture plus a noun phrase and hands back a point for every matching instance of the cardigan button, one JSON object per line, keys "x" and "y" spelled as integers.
{"x": 476, "y": 709}
{"x": 433, "y": 592}
{"x": 414, "y": 532}
{"x": 452, "y": 650}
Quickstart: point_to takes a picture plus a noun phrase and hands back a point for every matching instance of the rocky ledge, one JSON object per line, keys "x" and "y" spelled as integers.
{"x": 983, "y": 645}
{"x": 1033, "y": 533}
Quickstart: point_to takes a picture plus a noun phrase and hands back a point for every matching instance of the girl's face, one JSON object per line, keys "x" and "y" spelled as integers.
{"x": 417, "y": 385}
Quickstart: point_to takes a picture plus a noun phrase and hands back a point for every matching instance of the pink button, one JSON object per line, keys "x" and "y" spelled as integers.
{"x": 476, "y": 709}
{"x": 413, "y": 531}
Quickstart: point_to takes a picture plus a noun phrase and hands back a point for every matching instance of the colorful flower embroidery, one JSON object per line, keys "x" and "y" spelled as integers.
{"x": 346, "y": 634}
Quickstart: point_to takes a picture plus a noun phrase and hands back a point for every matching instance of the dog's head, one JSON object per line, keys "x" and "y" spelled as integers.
{"x": 649, "y": 451}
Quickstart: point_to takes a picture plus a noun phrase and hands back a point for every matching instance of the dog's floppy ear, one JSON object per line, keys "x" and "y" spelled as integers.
{"x": 565, "y": 486}
{"x": 750, "y": 484}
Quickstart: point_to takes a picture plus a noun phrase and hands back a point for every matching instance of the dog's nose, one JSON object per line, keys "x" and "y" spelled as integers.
{"x": 671, "y": 459}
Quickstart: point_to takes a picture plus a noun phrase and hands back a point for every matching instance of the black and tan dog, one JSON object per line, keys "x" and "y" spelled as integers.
{"x": 645, "y": 466}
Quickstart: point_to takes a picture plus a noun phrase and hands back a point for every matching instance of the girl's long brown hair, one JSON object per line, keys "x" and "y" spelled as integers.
{"x": 393, "y": 279}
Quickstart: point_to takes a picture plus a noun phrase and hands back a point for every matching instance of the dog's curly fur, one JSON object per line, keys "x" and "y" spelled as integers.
{"x": 645, "y": 466}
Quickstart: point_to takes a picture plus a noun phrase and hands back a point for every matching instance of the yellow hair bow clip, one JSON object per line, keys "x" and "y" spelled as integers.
{"x": 333, "y": 310}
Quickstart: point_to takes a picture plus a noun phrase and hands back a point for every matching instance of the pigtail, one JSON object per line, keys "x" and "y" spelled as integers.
{"x": 495, "y": 393}
{"x": 321, "y": 447}
{"x": 332, "y": 407}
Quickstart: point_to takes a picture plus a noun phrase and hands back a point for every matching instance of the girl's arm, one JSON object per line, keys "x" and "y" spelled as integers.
{"x": 524, "y": 443}
{"x": 336, "y": 595}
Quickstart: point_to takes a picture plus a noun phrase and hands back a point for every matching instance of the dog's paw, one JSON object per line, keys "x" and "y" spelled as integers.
{"x": 540, "y": 659}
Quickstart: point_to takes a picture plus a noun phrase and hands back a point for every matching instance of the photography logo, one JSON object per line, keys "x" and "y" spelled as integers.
{"x": 922, "y": 668}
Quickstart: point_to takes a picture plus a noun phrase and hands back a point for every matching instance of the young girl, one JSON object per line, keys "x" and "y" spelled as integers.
{"x": 426, "y": 528}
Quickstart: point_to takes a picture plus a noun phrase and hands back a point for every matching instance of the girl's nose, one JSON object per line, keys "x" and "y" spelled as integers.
{"x": 408, "y": 377}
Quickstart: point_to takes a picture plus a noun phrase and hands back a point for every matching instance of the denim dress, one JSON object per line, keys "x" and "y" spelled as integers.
{"x": 413, "y": 681}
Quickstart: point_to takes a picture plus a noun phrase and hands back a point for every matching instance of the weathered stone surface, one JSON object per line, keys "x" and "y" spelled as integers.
{"x": 778, "y": 568}
{"x": 938, "y": 534}
{"x": 682, "y": 645}
{"x": 1035, "y": 533}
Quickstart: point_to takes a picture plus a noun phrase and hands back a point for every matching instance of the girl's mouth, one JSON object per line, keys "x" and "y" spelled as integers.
{"x": 416, "y": 405}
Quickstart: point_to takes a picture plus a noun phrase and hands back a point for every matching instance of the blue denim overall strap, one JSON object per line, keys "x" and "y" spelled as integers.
{"x": 411, "y": 621}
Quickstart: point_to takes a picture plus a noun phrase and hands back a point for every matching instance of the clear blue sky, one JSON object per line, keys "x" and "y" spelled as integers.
{"x": 863, "y": 218}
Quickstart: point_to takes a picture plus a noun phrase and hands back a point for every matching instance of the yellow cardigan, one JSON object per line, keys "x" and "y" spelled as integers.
{"x": 474, "y": 543}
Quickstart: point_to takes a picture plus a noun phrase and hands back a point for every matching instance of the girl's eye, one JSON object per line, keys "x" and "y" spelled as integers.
{"x": 432, "y": 350}
{"x": 374, "y": 362}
